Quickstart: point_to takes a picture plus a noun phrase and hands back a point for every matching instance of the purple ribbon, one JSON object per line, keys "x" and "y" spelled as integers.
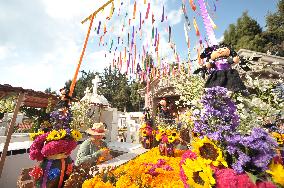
{"x": 49, "y": 163}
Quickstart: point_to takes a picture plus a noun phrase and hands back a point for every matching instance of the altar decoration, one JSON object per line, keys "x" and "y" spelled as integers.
{"x": 147, "y": 170}
{"x": 52, "y": 147}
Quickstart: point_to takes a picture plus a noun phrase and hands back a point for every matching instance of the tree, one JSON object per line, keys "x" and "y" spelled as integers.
{"x": 247, "y": 34}
{"x": 275, "y": 31}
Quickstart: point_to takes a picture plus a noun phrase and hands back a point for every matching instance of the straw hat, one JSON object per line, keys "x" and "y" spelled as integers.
{"x": 97, "y": 129}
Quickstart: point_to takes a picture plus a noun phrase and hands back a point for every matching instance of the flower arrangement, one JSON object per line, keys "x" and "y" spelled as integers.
{"x": 34, "y": 135}
{"x": 147, "y": 170}
{"x": 245, "y": 158}
{"x": 147, "y": 134}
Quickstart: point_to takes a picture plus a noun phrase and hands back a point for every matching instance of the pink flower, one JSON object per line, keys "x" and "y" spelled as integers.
{"x": 36, "y": 147}
{"x": 164, "y": 139}
{"x": 226, "y": 178}
{"x": 244, "y": 181}
{"x": 265, "y": 185}
{"x": 58, "y": 146}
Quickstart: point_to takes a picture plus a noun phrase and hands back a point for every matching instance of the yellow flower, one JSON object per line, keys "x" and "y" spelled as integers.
{"x": 34, "y": 135}
{"x": 277, "y": 172}
{"x": 209, "y": 151}
{"x": 76, "y": 135}
{"x": 199, "y": 174}
{"x": 279, "y": 137}
{"x": 56, "y": 135}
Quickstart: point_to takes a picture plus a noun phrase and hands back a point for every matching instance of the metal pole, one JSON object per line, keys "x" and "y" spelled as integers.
{"x": 10, "y": 131}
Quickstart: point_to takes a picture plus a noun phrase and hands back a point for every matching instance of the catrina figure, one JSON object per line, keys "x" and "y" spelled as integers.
{"x": 219, "y": 61}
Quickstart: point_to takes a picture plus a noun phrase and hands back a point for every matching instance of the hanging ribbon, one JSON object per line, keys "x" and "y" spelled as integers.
{"x": 148, "y": 10}
{"x": 212, "y": 23}
{"x": 45, "y": 176}
{"x": 207, "y": 23}
{"x": 98, "y": 32}
{"x": 186, "y": 35}
{"x": 145, "y": 2}
{"x": 111, "y": 45}
{"x": 153, "y": 20}
{"x": 185, "y": 16}
{"x": 111, "y": 11}
{"x": 134, "y": 11}
{"x": 192, "y": 5}
{"x": 140, "y": 22}
{"x": 170, "y": 33}
{"x": 105, "y": 29}
{"x": 196, "y": 27}
{"x": 163, "y": 15}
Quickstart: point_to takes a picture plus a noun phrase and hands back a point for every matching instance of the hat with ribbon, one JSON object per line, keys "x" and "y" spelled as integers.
{"x": 97, "y": 129}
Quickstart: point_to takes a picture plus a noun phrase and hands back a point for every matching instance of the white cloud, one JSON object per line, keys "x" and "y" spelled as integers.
{"x": 175, "y": 16}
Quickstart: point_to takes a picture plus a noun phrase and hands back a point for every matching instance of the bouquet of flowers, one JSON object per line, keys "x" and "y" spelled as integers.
{"x": 147, "y": 134}
{"x": 167, "y": 138}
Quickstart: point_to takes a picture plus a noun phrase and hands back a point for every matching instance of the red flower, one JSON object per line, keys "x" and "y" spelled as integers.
{"x": 36, "y": 173}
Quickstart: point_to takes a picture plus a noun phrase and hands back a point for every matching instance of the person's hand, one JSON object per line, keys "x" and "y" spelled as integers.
{"x": 104, "y": 152}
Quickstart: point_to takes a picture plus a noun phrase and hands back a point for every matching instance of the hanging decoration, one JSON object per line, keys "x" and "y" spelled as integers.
{"x": 196, "y": 27}
{"x": 192, "y": 5}
{"x": 206, "y": 20}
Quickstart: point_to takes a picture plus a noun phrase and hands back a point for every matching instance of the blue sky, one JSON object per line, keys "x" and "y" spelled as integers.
{"x": 41, "y": 40}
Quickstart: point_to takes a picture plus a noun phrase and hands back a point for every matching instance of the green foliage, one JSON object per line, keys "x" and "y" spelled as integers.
{"x": 245, "y": 34}
{"x": 275, "y": 31}
{"x": 114, "y": 86}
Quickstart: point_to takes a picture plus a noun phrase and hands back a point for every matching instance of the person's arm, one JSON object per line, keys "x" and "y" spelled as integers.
{"x": 85, "y": 155}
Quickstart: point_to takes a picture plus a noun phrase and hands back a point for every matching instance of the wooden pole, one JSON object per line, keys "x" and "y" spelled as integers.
{"x": 10, "y": 131}
{"x": 97, "y": 11}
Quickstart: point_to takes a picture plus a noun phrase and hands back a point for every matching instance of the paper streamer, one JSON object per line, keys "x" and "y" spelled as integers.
{"x": 185, "y": 16}
{"x": 208, "y": 26}
{"x": 196, "y": 27}
{"x": 111, "y": 11}
{"x": 212, "y": 23}
{"x": 140, "y": 22}
{"x": 163, "y": 15}
{"x": 98, "y": 32}
{"x": 192, "y": 5}
{"x": 134, "y": 11}
{"x": 170, "y": 33}
{"x": 148, "y": 10}
{"x": 186, "y": 35}
{"x": 153, "y": 19}
{"x": 105, "y": 29}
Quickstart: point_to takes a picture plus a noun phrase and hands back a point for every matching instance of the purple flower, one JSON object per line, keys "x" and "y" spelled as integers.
{"x": 252, "y": 152}
{"x": 219, "y": 115}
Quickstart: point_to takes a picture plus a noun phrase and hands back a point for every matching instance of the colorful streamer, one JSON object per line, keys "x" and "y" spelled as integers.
{"x": 163, "y": 15}
{"x": 212, "y": 23}
{"x": 148, "y": 10}
{"x": 170, "y": 33}
{"x": 134, "y": 11}
{"x": 207, "y": 23}
{"x": 192, "y": 5}
{"x": 111, "y": 11}
{"x": 98, "y": 31}
{"x": 185, "y": 16}
{"x": 196, "y": 27}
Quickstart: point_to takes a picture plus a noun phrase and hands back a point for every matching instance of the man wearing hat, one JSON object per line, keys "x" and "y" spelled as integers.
{"x": 92, "y": 148}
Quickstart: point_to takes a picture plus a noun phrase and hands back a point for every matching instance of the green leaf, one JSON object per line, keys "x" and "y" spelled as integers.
{"x": 252, "y": 177}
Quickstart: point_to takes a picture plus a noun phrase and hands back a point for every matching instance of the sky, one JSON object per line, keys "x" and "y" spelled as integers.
{"x": 41, "y": 40}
